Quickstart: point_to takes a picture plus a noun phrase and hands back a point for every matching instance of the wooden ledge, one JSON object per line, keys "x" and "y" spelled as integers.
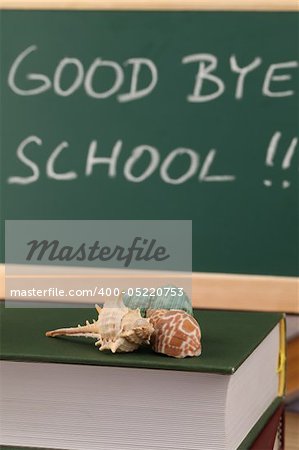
{"x": 209, "y": 290}
{"x": 159, "y": 5}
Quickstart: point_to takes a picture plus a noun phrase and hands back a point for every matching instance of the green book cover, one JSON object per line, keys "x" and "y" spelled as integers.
{"x": 228, "y": 338}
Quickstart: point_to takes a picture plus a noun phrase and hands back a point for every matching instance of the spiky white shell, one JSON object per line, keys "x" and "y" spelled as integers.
{"x": 118, "y": 328}
{"x": 115, "y": 325}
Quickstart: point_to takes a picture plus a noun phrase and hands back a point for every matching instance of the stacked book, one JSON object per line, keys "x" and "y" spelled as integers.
{"x": 292, "y": 378}
{"x": 65, "y": 394}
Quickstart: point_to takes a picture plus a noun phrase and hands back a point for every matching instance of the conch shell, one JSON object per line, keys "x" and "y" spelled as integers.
{"x": 176, "y": 333}
{"x": 118, "y": 328}
{"x": 171, "y": 297}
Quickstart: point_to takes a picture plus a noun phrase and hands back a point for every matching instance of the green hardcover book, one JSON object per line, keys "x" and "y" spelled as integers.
{"x": 63, "y": 393}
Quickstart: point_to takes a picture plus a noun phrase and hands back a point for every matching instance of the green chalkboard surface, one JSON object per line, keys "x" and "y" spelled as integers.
{"x": 196, "y": 114}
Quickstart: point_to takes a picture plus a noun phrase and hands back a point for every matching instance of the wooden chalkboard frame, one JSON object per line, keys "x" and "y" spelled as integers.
{"x": 210, "y": 290}
{"x": 175, "y": 5}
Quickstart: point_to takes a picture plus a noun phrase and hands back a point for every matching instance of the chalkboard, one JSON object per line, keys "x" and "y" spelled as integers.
{"x": 199, "y": 111}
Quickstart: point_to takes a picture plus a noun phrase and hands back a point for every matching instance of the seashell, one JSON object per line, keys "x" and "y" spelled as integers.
{"x": 142, "y": 302}
{"x": 176, "y": 333}
{"x": 118, "y": 328}
{"x": 179, "y": 301}
{"x": 171, "y": 297}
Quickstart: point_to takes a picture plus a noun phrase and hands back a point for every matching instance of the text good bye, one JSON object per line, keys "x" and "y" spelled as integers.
{"x": 277, "y": 78}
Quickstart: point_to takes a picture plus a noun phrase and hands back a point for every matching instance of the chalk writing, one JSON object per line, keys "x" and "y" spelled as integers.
{"x": 112, "y": 165}
{"x": 207, "y": 85}
{"x": 286, "y": 163}
{"x": 206, "y": 64}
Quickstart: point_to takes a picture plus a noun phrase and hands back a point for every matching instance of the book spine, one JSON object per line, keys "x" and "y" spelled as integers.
{"x": 281, "y": 368}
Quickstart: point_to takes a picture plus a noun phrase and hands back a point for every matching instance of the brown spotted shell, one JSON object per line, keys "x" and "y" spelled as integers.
{"x": 176, "y": 333}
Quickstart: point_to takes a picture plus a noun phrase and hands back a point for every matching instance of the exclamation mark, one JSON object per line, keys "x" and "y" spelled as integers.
{"x": 288, "y": 159}
{"x": 271, "y": 153}
{"x": 286, "y": 163}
